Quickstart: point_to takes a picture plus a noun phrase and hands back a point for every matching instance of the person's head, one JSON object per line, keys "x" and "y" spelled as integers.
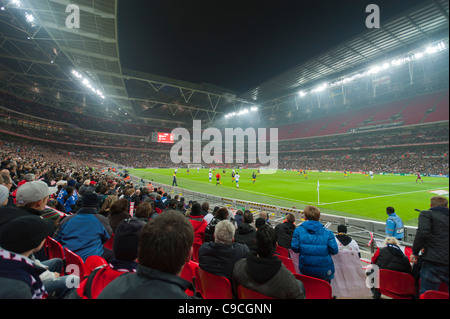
{"x": 25, "y": 234}
{"x": 120, "y": 206}
{"x": 342, "y": 229}
{"x": 290, "y": 218}
{"x": 222, "y": 213}
{"x": 439, "y": 201}
{"x": 263, "y": 215}
{"x": 311, "y": 213}
{"x": 266, "y": 241}
{"x": 390, "y": 210}
{"x": 196, "y": 209}
{"x": 240, "y": 212}
{"x": 89, "y": 200}
{"x": 4, "y": 194}
{"x": 391, "y": 240}
{"x": 205, "y": 207}
{"x": 259, "y": 222}
{"x": 248, "y": 217}
{"x": 144, "y": 210}
{"x": 173, "y": 204}
{"x": 34, "y": 195}
{"x": 166, "y": 243}
{"x": 126, "y": 239}
{"x": 224, "y": 232}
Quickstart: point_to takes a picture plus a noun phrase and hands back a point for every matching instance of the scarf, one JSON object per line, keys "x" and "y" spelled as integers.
{"x": 18, "y": 267}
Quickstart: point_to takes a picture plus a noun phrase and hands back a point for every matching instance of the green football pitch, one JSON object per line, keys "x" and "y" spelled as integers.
{"x": 357, "y": 196}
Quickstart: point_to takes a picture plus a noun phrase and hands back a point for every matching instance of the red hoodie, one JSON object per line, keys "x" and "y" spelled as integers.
{"x": 199, "y": 225}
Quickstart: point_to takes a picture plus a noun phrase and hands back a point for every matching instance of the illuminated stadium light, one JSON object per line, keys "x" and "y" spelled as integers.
{"x": 29, "y": 17}
{"x": 242, "y": 112}
{"x": 379, "y": 68}
{"x": 15, "y": 3}
{"x": 88, "y": 84}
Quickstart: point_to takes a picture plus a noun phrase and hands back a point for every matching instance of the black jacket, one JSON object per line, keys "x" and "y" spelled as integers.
{"x": 392, "y": 258}
{"x": 219, "y": 259}
{"x": 245, "y": 234}
{"x": 432, "y": 234}
{"x": 267, "y": 276}
{"x": 146, "y": 283}
{"x": 284, "y": 234}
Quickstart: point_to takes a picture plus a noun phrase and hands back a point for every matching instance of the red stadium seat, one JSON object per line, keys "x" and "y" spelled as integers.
{"x": 245, "y": 293}
{"x": 55, "y": 249}
{"x": 196, "y": 247}
{"x": 395, "y": 284}
{"x": 189, "y": 273}
{"x": 213, "y": 286}
{"x": 109, "y": 243}
{"x": 431, "y": 294}
{"x": 315, "y": 288}
{"x": 93, "y": 262}
{"x": 282, "y": 251}
{"x": 74, "y": 264}
{"x": 288, "y": 263}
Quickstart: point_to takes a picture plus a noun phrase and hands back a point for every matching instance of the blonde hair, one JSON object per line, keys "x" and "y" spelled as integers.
{"x": 391, "y": 240}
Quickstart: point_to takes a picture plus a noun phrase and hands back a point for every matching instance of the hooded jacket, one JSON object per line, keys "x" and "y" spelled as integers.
{"x": 432, "y": 234}
{"x": 199, "y": 225}
{"x": 315, "y": 245}
{"x": 267, "y": 276}
{"x": 245, "y": 234}
{"x": 284, "y": 233}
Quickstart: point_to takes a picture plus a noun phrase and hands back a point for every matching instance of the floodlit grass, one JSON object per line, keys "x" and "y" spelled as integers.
{"x": 356, "y": 196}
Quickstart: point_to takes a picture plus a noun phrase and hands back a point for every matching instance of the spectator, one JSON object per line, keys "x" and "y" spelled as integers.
{"x": 205, "y": 208}
{"x": 119, "y": 211}
{"x": 144, "y": 212}
{"x": 394, "y": 224}
{"x": 261, "y": 271}
{"x": 109, "y": 198}
{"x": 259, "y": 222}
{"x": 68, "y": 199}
{"x": 21, "y": 275}
{"x": 432, "y": 238}
{"x": 85, "y": 232}
{"x": 221, "y": 214}
{"x": 125, "y": 250}
{"x": 315, "y": 245}
{"x": 33, "y": 196}
{"x": 265, "y": 216}
{"x": 219, "y": 257}
{"x": 165, "y": 245}
{"x": 285, "y": 231}
{"x": 199, "y": 224}
{"x": 391, "y": 257}
{"x": 4, "y": 194}
{"x": 349, "y": 279}
{"x": 245, "y": 233}
{"x": 211, "y": 215}
{"x": 239, "y": 216}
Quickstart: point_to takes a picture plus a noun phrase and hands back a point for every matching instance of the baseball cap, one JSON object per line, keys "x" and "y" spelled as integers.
{"x": 25, "y": 233}
{"x": 33, "y": 191}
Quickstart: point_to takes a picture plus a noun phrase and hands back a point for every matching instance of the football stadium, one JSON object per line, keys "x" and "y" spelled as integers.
{"x": 186, "y": 150}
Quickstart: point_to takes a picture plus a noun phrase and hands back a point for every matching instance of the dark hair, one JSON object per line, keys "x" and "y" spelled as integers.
{"x": 205, "y": 206}
{"x": 266, "y": 241}
{"x": 144, "y": 210}
{"x": 119, "y": 206}
{"x": 248, "y": 217}
{"x": 390, "y": 210}
{"x": 166, "y": 242}
{"x": 173, "y": 203}
{"x": 222, "y": 213}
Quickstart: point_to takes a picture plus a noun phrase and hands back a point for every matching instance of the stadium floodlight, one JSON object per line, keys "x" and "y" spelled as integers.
{"x": 15, "y": 3}
{"x": 29, "y": 17}
{"x": 88, "y": 84}
{"x": 254, "y": 108}
{"x": 302, "y": 93}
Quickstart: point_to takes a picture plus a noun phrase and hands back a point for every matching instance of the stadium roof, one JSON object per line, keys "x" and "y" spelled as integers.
{"x": 42, "y": 59}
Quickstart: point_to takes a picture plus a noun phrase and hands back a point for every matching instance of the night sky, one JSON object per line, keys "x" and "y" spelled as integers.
{"x": 237, "y": 44}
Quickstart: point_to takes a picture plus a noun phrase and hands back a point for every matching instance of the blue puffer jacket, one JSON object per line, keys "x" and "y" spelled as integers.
{"x": 315, "y": 245}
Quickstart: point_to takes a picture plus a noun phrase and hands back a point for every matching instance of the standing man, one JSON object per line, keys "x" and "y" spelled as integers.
{"x": 432, "y": 237}
{"x": 218, "y": 179}
{"x": 174, "y": 181}
{"x": 237, "y": 180}
{"x": 394, "y": 224}
{"x": 419, "y": 178}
